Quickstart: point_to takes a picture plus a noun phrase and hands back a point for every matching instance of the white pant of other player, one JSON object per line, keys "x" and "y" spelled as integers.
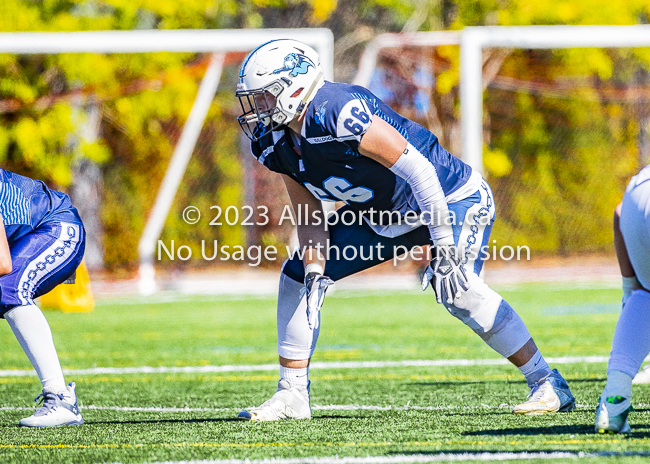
{"x": 631, "y": 342}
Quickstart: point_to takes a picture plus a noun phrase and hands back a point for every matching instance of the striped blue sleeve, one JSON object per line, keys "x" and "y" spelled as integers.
{"x": 14, "y": 206}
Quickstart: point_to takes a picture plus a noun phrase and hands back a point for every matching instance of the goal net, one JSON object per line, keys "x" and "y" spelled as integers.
{"x": 557, "y": 128}
{"x": 145, "y": 123}
{"x": 138, "y": 126}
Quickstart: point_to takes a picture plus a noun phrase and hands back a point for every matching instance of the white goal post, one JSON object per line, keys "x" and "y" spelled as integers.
{"x": 217, "y": 42}
{"x": 474, "y": 39}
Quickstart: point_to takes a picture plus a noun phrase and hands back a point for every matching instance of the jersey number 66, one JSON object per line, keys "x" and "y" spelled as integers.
{"x": 353, "y": 126}
{"x": 341, "y": 190}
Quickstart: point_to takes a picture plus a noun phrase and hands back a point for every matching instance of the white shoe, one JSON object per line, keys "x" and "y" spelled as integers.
{"x": 643, "y": 376}
{"x": 57, "y": 409}
{"x": 611, "y": 415}
{"x": 551, "y": 394}
{"x": 289, "y": 402}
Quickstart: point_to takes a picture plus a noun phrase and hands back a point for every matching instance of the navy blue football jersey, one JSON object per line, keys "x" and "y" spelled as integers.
{"x": 25, "y": 204}
{"x": 328, "y": 162}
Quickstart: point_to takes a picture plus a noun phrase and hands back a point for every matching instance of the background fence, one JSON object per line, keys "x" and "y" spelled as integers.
{"x": 564, "y": 129}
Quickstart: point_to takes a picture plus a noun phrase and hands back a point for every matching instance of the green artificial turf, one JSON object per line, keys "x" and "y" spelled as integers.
{"x": 361, "y": 411}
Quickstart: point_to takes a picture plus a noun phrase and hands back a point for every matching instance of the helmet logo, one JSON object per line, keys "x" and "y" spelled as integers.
{"x": 296, "y": 64}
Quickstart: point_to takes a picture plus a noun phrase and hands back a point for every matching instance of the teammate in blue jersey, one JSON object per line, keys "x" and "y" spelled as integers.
{"x": 42, "y": 241}
{"x": 631, "y": 342}
{"x": 337, "y": 142}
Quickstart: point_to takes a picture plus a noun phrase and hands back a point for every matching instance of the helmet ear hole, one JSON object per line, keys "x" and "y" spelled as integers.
{"x": 297, "y": 92}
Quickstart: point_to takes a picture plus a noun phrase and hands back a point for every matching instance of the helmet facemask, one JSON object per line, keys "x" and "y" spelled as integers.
{"x": 261, "y": 113}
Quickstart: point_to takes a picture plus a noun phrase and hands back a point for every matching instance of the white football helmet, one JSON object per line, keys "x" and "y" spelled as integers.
{"x": 276, "y": 82}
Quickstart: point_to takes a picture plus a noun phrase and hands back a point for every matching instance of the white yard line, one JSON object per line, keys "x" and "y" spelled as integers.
{"x": 315, "y": 365}
{"x": 416, "y": 458}
{"x": 315, "y": 407}
{"x": 327, "y": 407}
{"x": 127, "y": 408}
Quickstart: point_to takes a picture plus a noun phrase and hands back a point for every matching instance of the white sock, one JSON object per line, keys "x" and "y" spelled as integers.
{"x": 618, "y": 384}
{"x": 35, "y": 337}
{"x": 298, "y": 376}
{"x": 535, "y": 369}
{"x": 632, "y": 335}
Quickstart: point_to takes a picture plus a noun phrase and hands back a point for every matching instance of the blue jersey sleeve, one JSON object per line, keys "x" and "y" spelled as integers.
{"x": 26, "y": 204}
{"x": 276, "y": 153}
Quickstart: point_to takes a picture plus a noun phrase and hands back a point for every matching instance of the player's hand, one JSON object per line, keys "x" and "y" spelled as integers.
{"x": 315, "y": 286}
{"x": 446, "y": 274}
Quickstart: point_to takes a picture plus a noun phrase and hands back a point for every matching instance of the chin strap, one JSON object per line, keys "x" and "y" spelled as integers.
{"x": 317, "y": 84}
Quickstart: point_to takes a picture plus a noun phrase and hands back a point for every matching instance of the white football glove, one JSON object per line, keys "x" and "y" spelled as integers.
{"x": 446, "y": 274}
{"x": 315, "y": 287}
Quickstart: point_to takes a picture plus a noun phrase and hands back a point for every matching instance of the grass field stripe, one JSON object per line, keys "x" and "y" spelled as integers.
{"x": 416, "y": 458}
{"x": 508, "y": 377}
{"x": 587, "y": 441}
{"x": 155, "y": 409}
{"x": 328, "y": 407}
{"x": 314, "y": 365}
{"x": 314, "y": 407}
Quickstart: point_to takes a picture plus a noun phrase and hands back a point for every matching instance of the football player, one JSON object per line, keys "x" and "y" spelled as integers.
{"x": 42, "y": 241}
{"x": 632, "y": 335}
{"x": 337, "y": 142}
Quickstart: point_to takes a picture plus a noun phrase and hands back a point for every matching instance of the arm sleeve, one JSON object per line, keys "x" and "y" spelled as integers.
{"x": 421, "y": 175}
